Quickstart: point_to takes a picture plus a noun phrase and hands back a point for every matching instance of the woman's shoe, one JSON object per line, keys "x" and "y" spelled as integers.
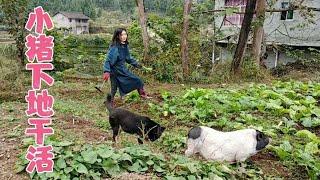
{"x": 143, "y": 94}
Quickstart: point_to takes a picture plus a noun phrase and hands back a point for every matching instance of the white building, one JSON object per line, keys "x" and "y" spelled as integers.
{"x": 76, "y": 22}
{"x": 282, "y": 30}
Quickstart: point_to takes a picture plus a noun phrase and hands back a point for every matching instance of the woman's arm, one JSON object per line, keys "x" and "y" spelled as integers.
{"x": 111, "y": 59}
{"x": 131, "y": 60}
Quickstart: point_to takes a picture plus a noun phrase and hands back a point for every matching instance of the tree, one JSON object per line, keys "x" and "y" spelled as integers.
{"x": 127, "y": 6}
{"x": 1, "y": 16}
{"x": 214, "y": 33}
{"x": 99, "y": 13}
{"x": 243, "y": 37}
{"x": 184, "y": 42}
{"x": 88, "y": 10}
{"x": 143, "y": 24}
{"x": 15, "y": 17}
{"x": 258, "y": 32}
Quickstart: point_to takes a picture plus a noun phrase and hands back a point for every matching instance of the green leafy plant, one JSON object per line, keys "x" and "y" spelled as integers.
{"x": 96, "y": 162}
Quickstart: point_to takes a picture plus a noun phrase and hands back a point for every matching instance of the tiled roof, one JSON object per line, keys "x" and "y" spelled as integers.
{"x": 73, "y": 15}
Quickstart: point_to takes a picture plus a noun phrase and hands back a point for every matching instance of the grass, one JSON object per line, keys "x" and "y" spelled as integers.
{"x": 81, "y": 118}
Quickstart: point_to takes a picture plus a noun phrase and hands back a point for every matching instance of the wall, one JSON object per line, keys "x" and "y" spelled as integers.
{"x": 289, "y": 32}
{"x": 225, "y": 52}
{"x": 61, "y": 21}
{"x": 278, "y": 31}
{"x": 77, "y": 27}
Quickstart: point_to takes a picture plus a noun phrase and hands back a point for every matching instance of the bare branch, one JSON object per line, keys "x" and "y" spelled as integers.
{"x": 268, "y": 10}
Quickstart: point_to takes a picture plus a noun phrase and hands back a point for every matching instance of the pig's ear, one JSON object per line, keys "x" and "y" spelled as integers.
{"x": 262, "y": 140}
{"x": 259, "y": 135}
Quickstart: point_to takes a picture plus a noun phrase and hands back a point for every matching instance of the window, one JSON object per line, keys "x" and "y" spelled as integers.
{"x": 235, "y": 19}
{"x": 286, "y": 14}
{"x": 70, "y": 20}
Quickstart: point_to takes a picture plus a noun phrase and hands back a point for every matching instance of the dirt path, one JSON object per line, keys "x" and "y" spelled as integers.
{"x": 12, "y": 127}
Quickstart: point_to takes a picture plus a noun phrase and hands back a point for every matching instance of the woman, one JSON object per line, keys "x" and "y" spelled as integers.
{"x": 115, "y": 69}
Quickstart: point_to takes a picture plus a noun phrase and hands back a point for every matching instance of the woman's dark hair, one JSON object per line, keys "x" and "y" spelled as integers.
{"x": 116, "y": 34}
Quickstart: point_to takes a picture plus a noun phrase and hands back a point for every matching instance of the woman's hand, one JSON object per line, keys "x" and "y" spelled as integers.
{"x": 106, "y": 76}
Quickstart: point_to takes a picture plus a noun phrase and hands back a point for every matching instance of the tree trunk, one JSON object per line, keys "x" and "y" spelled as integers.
{"x": 184, "y": 43}
{"x": 214, "y": 35}
{"x": 21, "y": 54}
{"x": 258, "y": 32}
{"x": 20, "y": 42}
{"x": 243, "y": 37}
{"x": 143, "y": 24}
